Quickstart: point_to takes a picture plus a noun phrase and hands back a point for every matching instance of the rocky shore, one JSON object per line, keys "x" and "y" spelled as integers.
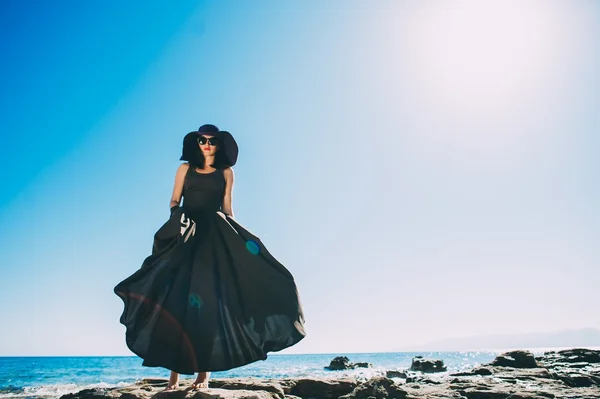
{"x": 566, "y": 374}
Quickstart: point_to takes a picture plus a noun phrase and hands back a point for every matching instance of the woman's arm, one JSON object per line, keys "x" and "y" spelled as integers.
{"x": 227, "y": 198}
{"x": 178, "y": 188}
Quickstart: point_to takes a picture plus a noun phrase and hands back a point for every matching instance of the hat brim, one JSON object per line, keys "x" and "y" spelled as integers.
{"x": 228, "y": 145}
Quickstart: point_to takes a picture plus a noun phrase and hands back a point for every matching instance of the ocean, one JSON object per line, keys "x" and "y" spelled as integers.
{"x": 51, "y": 377}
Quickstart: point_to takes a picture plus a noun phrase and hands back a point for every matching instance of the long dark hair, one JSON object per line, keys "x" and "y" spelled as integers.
{"x": 197, "y": 160}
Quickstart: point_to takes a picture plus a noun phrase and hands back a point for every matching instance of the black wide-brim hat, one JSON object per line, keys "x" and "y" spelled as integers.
{"x": 227, "y": 143}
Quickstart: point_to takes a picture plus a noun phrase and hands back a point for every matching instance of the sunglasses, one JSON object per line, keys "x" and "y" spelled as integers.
{"x": 211, "y": 141}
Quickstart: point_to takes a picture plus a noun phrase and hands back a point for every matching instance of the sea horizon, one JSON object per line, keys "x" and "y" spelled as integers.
{"x": 504, "y": 349}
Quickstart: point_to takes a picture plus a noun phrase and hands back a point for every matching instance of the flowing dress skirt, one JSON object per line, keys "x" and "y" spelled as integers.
{"x": 210, "y": 297}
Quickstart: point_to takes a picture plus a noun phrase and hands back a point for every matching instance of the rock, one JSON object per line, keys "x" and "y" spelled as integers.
{"x": 536, "y": 374}
{"x": 249, "y": 384}
{"x": 218, "y": 393}
{"x": 486, "y": 393}
{"x": 516, "y": 359}
{"x": 482, "y": 371}
{"x": 575, "y": 355}
{"x": 340, "y": 363}
{"x": 461, "y": 381}
{"x": 579, "y": 380}
{"x": 475, "y": 371}
{"x": 576, "y": 368}
{"x": 92, "y": 393}
{"x": 578, "y": 365}
{"x": 322, "y": 388}
{"x": 421, "y": 380}
{"x": 343, "y": 363}
{"x": 395, "y": 374}
{"x": 375, "y": 388}
{"x": 427, "y": 365}
{"x": 285, "y": 383}
{"x": 138, "y": 391}
{"x": 429, "y": 381}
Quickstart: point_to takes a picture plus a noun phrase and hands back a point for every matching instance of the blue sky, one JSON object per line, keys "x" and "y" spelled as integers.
{"x": 425, "y": 170}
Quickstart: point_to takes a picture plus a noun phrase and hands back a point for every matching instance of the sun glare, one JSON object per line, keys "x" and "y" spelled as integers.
{"x": 482, "y": 72}
{"x": 479, "y": 53}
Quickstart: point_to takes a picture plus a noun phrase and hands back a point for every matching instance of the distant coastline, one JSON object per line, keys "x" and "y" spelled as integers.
{"x": 535, "y": 342}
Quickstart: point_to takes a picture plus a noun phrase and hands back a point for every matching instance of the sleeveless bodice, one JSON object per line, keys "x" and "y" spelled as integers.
{"x": 203, "y": 191}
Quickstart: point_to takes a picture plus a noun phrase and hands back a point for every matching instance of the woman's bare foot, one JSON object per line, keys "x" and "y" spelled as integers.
{"x": 202, "y": 380}
{"x": 173, "y": 382}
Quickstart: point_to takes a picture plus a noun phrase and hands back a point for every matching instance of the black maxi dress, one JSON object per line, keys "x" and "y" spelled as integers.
{"x": 210, "y": 297}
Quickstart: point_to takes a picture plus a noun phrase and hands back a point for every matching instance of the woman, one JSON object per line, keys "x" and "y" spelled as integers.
{"x": 210, "y": 297}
